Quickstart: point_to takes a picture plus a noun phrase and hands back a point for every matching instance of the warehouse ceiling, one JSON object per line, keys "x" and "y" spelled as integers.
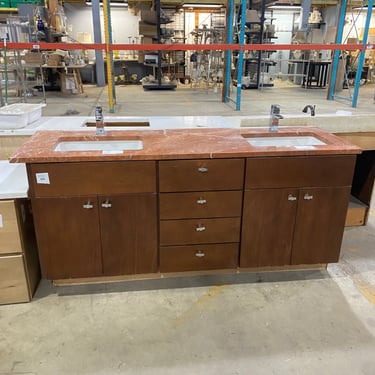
{"x": 256, "y": 4}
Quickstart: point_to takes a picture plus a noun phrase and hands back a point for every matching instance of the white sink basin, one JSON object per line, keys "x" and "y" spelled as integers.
{"x": 106, "y": 146}
{"x": 298, "y": 141}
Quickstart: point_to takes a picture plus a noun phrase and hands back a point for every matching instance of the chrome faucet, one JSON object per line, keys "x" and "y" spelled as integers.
{"x": 311, "y": 107}
{"x": 99, "y": 120}
{"x": 275, "y": 116}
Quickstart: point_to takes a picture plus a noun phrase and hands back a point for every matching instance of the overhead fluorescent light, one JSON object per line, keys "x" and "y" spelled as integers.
{"x": 203, "y": 6}
{"x": 117, "y": 4}
{"x": 285, "y": 7}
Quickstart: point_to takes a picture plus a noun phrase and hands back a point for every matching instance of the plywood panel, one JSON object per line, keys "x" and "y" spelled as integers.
{"x": 9, "y": 235}
{"x": 13, "y": 286}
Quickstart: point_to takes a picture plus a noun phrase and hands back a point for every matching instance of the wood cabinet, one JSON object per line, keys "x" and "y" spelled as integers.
{"x": 285, "y": 221}
{"x": 19, "y": 264}
{"x": 200, "y": 214}
{"x": 143, "y": 217}
{"x": 82, "y": 233}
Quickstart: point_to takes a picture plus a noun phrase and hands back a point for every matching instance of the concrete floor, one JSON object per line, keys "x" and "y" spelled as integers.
{"x": 132, "y": 100}
{"x": 296, "y": 322}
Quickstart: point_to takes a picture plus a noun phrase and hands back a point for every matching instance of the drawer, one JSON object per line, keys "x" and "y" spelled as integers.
{"x": 319, "y": 171}
{"x": 196, "y": 231}
{"x": 198, "y": 257}
{"x": 200, "y": 204}
{"x": 13, "y": 284}
{"x": 57, "y": 179}
{"x": 201, "y": 175}
{"x": 10, "y": 241}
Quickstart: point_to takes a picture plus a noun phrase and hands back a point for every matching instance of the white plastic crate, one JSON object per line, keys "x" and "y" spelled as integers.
{"x": 19, "y": 115}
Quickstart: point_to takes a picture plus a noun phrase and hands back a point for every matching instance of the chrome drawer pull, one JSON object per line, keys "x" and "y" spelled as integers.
{"x": 308, "y": 197}
{"x": 202, "y": 169}
{"x": 106, "y": 204}
{"x": 292, "y": 197}
{"x": 88, "y": 206}
{"x": 200, "y": 228}
{"x": 200, "y": 254}
{"x": 201, "y": 201}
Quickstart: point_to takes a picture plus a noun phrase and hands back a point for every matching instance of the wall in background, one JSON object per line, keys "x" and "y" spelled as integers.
{"x": 124, "y": 23}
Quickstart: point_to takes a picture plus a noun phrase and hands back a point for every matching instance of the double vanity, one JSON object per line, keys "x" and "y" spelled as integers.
{"x": 157, "y": 202}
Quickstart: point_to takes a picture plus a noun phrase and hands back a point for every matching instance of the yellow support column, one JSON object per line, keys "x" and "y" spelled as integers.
{"x": 108, "y": 55}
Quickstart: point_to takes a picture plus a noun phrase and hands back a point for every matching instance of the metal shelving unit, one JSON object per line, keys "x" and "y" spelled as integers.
{"x": 160, "y": 84}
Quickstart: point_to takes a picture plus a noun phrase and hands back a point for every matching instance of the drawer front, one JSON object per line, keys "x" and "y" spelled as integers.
{"x": 57, "y": 179}
{"x": 200, "y": 175}
{"x": 319, "y": 171}
{"x": 196, "y": 231}
{"x": 200, "y": 204}
{"x": 10, "y": 241}
{"x": 13, "y": 284}
{"x": 198, "y": 257}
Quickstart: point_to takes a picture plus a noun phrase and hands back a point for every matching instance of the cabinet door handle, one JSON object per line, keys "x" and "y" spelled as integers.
{"x": 200, "y": 254}
{"x": 106, "y": 204}
{"x": 292, "y": 197}
{"x": 200, "y": 228}
{"x": 202, "y": 169}
{"x": 201, "y": 201}
{"x": 88, "y": 206}
{"x": 308, "y": 197}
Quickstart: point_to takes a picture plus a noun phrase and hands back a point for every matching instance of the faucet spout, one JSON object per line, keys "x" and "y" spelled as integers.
{"x": 99, "y": 120}
{"x": 309, "y": 107}
{"x": 275, "y": 116}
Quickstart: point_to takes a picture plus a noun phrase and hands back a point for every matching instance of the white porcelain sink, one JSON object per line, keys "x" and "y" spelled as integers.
{"x": 298, "y": 141}
{"x": 106, "y": 146}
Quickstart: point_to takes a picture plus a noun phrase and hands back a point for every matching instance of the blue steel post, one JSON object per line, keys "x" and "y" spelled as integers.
{"x": 337, "y": 52}
{"x": 240, "y": 55}
{"x": 229, "y": 53}
{"x": 362, "y": 54}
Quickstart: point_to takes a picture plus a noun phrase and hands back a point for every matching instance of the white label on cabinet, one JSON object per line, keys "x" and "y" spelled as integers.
{"x": 42, "y": 178}
{"x": 1, "y": 221}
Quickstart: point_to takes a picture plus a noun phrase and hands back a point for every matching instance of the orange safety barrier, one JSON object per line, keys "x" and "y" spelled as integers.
{"x": 188, "y": 47}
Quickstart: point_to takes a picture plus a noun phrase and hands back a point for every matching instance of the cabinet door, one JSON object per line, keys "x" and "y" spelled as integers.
{"x": 68, "y": 236}
{"x": 267, "y": 227}
{"x": 129, "y": 233}
{"x": 319, "y": 225}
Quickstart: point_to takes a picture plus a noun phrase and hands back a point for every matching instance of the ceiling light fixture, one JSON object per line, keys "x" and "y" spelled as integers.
{"x": 285, "y": 7}
{"x": 117, "y": 4}
{"x": 203, "y": 6}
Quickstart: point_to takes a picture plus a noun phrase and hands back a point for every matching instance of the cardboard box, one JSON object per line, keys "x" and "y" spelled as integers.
{"x": 68, "y": 83}
{"x": 147, "y": 30}
{"x": 148, "y": 40}
{"x": 34, "y": 58}
{"x": 141, "y": 57}
{"x": 149, "y": 16}
{"x": 54, "y": 60}
{"x": 252, "y": 16}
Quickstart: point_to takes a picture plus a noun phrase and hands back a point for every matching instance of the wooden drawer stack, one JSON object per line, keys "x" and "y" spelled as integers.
{"x": 200, "y": 214}
{"x": 19, "y": 265}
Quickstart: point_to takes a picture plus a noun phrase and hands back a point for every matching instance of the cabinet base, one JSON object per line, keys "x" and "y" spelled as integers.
{"x": 151, "y": 276}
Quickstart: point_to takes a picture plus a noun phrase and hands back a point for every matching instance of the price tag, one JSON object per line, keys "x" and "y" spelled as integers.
{"x": 36, "y": 46}
{"x": 42, "y": 178}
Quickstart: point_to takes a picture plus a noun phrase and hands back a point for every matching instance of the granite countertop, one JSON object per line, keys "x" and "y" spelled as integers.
{"x": 178, "y": 144}
{"x": 13, "y": 180}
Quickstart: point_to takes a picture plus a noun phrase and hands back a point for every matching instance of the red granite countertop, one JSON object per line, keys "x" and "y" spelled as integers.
{"x": 177, "y": 144}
